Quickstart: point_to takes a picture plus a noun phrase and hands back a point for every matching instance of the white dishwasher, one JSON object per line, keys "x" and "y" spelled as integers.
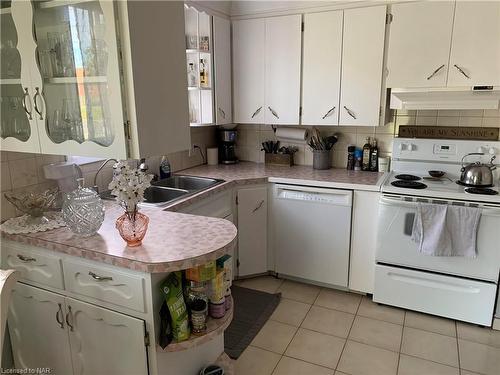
{"x": 312, "y": 230}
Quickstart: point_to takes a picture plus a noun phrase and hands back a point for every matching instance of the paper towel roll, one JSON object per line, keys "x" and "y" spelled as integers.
{"x": 292, "y": 134}
{"x": 212, "y": 156}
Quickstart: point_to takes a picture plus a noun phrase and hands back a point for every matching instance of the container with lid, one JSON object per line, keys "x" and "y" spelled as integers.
{"x": 83, "y": 210}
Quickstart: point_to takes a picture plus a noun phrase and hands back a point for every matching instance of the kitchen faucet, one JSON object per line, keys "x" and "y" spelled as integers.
{"x": 95, "y": 187}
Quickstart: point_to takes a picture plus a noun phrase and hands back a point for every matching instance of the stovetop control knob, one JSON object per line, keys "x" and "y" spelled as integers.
{"x": 480, "y": 149}
{"x": 401, "y": 146}
{"x": 412, "y": 147}
{"x": 492, "y": 151}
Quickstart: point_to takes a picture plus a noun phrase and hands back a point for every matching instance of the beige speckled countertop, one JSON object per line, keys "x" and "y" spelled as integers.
{"x": 245, "y": 173}
{"x": 174, "y": 241}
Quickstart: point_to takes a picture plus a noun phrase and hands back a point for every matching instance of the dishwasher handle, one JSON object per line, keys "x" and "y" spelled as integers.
{"x": 336, "y": 197}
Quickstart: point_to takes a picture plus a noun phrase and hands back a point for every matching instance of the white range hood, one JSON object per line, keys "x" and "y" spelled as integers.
{"x": 445, "y": 99}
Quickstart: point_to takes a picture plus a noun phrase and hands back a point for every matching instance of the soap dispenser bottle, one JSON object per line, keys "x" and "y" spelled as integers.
{"x": 165, "y": 168}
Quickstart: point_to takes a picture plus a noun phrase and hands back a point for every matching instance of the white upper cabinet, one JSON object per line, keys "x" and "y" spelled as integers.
{"x": 475, "y": 47}
{"x": 321, "y": 71}
{"x": 362, "y": 61}
{"x": 222, "y": 57}
{"x": 419, "y": 44}
{"x": 266, "y": 70}
{"x": 248, "y": 71}
{"x": 282, "y": 75}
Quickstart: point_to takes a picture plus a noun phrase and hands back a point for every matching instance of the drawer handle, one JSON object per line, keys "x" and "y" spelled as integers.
{"x": 435, "y": 72}
{"x": 258, "y": 206}
{"x": 60, "y": 320}
{"x": 68, "y": 315}
{"x": 256, "y": 112}
{"x": 25, "y": 258}
{"x": 329, "y": 113}
{"x": 351, "y": 113}
{"x": 100, "y": 278}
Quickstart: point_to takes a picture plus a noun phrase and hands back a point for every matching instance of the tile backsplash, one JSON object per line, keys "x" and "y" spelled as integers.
{"x": 24, "y": 171}
{"x": 250, "y": 137}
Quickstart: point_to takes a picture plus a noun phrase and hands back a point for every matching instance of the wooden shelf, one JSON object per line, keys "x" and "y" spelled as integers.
{"x": 61, "y": 3}
{"x": 192, "y": 88}
{"x": 215, "y": 327}
{"x": 10, "y": 81}
{"x": 64, "y": 80}
{"x": 5, "y": 10}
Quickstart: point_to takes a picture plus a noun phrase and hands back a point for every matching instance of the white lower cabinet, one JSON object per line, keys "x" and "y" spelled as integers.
{"x": 103, "y": 341}
{"x": 252, "y": 231}
{"x": 72, "y": 337}
{"x": 37, "y": 330}
{"x": 363, "y": 240}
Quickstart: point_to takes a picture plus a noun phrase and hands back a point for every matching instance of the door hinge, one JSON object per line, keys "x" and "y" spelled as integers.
{"x": 388, "y": 18}
{"x": 147, "y": 341}
{"x": 236, "y": 200}
{"x": 126, "y": 125}
{"x": 302, "y": 27}
{"x": 237, "y": 263}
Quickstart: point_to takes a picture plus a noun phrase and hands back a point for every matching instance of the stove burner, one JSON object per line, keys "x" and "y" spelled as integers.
{"x": 407, "y": 177}
{"x": 482, "y": 191}
{"x": 472, "y": 186}
{"x": 408, "y": 184}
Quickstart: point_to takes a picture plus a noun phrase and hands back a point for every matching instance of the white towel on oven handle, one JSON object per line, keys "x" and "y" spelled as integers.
{"x": 446, "y": 230}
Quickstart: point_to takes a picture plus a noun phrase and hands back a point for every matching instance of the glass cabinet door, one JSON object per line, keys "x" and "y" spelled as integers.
{"x": 77, "y": 97}
{"x": 15, "y": 103}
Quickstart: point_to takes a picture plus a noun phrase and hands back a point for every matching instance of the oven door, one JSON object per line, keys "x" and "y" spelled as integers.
{"x": 395, "y": 247}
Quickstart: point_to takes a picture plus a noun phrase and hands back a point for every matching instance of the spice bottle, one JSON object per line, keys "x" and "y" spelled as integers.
{"x": 350, "y": 157}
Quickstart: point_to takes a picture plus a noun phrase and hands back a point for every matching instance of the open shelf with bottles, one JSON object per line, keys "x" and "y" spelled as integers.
{"x": 199, "y": 66}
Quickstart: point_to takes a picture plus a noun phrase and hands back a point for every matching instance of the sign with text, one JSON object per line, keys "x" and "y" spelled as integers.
{"x": 449, "y": 132}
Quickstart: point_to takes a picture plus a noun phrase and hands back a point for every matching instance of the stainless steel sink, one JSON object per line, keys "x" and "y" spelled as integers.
{"x": 190, "y": 183}
{"x": 165, "y": 191}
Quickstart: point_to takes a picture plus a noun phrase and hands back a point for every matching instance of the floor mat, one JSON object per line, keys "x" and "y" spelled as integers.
{"x": 252, "y": 309}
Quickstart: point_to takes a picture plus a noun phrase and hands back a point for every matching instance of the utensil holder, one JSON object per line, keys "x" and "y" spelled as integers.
{"x": 279, "y": 159}
{"x": 321, "y": 159}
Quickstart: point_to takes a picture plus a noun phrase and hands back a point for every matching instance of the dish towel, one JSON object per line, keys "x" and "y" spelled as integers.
{"x": 444, "y": 230}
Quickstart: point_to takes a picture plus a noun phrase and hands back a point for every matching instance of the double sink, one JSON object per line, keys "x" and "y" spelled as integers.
{"x": 170, "y": 189}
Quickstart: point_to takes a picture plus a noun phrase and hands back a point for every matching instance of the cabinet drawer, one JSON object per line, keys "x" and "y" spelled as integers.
{"x": 105, "y": 284}
{"x": 33, "y": 265}
{"x": 452, "y": 297}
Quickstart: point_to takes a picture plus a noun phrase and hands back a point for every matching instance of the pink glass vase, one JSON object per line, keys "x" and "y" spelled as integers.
{"x": 132, "y": 227}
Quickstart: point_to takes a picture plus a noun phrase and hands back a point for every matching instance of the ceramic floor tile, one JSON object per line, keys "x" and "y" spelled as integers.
{"x": 377, "y": 333}
{"x": 315, "y": 347}
{"x": 361, "y": 359}
{"x": 268, "y": 284}
{"x": 479, "y": 357}
{"x": 481, "y": 335}
{"x": 338, "y": 300}
{"x": 328, "y": 321}
{"x": 373, "y": 310}
{"x": 290, "y": 312}
{"x": 274, "y": 336}
{"x": 430, "y": 346}
{"x": 430, "y": 323}
{"x": 292, "y": 366}
{"x": 465, "y": 372}
{"x": 416, "y": 366}
{"x": 299, "y": 292}
{"x": 256, "y": 361}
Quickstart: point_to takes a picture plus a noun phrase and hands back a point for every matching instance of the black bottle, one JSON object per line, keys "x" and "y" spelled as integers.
{"x": 365, "y": 166}
{"x": 374, "y": 156}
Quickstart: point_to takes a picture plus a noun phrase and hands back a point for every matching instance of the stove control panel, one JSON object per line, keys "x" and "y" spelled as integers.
{"x": 487, "y": 150}
{"x": 445, "y": 149}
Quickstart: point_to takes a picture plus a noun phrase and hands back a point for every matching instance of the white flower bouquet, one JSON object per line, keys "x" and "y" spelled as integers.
{"x": 128, "y": 185}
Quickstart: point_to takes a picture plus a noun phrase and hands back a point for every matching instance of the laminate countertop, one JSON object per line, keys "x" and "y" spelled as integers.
{"x": 174, "y": 241}
{"x": 248, "y": 173}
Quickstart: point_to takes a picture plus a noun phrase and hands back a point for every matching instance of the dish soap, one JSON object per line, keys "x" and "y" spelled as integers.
{"x": 165, "y": 168}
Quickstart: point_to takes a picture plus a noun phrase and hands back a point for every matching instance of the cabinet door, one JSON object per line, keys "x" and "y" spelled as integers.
{"x": 18, "y": 128}
{"x": 105, "y": 342}
{"x": 248, "y": 71}
{"x": 282, "y": 76}
{"x": 475, "y": 47}
{"x": 321, "y": 70}
{"x": 363, "y": 239}
{"x": 38, "y": 331}
{"x": 362, "y": 59}
{"x": 419, "y": 44}
{"x": 252, "y": 231}
{"x": 76, "y": 81}
{"x": 222, "y": 55}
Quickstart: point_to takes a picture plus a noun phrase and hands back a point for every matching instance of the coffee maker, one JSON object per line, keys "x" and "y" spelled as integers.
{"x": 227, "y": 143}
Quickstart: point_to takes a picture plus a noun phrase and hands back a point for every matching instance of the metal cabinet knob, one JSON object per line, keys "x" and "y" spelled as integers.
{"x": 26, "y": 95}
{"x": 100, "y": 278}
